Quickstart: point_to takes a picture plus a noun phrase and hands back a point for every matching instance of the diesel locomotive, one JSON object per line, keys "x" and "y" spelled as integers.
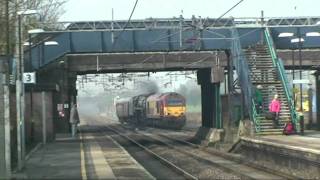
{"x": 167, "y": 110}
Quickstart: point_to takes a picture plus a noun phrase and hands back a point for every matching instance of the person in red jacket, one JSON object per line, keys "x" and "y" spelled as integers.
{"x": 274, "y": 109}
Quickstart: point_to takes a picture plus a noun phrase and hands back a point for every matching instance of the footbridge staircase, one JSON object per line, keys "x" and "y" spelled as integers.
{"x": 259, "y": 65}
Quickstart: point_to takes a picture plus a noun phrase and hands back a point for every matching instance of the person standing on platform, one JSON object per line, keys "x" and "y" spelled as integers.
{"x": 274, "y": 109}
{"x": 74, "y": 119}
{"x": 259, "y": 99}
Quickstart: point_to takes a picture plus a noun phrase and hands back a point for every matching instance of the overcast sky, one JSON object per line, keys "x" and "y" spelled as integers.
{"x": 85, "y": 10}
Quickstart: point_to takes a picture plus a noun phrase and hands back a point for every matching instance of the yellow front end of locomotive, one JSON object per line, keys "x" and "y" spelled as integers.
{"x": 175, "y": 111}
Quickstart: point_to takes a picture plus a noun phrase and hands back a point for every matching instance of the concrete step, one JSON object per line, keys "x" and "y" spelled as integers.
{"x": 259, "y": 80}
{"x": 271, "y": 82}
{"x": 255, "y": 63}
{"x": 260, "y": 65}
{"x": 270, "y": 121}
{"x": 263, "y": 56}
{"x": 258, "y": 59}
{"x": 280, "y": 94}
{"x": 266, "y": 90}
{"x": 270, "y": 133}
{"x": 262, "y": 78}
{"x": 263, "y": 59}
{"x": 259, "y": 56}
{"x": 265, "y": 75}
{"x": 271, "y": 127}
{"x": 269, "y": 70}
{"x": 272, "y": 130}
{"x": 262, "y": 117}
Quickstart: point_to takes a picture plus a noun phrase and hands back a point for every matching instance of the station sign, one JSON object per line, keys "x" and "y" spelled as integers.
{"x": 301, "y": 81}
{"x": 29, "y": 78}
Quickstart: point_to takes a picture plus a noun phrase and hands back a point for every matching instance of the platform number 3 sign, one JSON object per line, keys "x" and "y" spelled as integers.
{"x": 29, "y": 78}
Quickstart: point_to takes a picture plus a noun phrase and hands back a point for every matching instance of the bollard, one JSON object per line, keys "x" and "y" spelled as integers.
{"x": 301, "y": 118}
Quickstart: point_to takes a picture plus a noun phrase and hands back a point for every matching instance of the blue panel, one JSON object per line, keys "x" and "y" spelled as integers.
{"x": 86, "y": 42}
{"x": 54, "y": 52}
{"x": 35, "y": 52}
{"x": 151, "y": 40}
{"x": 174, "y": 39}
{"x": 216, "y": 39}
{"x": 123, "y": 41}
{"x": 106, "y": 41}
{"x": 163, "y": 40}
{"x": 250, "y": 36}
{"x": 189, "y": 40}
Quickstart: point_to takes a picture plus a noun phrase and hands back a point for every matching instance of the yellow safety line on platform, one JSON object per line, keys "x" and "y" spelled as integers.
{"x": 83, "y": 164}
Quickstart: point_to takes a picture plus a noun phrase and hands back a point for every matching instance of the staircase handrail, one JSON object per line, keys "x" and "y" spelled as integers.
{"x": 255, "y": 115}
{"x": 281, "y": 71}
{"x": 242, "y": 69}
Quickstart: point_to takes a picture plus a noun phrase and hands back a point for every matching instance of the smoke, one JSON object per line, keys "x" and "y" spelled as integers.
{"x": 192, "y": 92}
{"x": 146, "y": 87}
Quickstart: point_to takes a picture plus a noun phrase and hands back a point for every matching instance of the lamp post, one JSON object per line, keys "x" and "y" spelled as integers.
{"x": 299, "y": 40}
{"x": 293, "y": 77}
{"x": 18, "y": 57}
{"x": 300, "y": 66}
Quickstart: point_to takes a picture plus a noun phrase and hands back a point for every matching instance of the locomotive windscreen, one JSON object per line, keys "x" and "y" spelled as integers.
{"x": 175, "y": 102}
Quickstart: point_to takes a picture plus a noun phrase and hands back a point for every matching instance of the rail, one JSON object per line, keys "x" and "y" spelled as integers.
{"x": 163, "y": 160}
{"x": 281, "y": 71}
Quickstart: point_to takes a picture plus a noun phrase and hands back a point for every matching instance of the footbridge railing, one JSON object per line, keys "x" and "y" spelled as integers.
{"x": 277, "y": 62}
{"x": 242, "y": 68}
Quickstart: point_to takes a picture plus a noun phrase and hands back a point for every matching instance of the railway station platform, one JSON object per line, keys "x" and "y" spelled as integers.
{"x": 298, "y": 155}
{"x": 81, "y": 158}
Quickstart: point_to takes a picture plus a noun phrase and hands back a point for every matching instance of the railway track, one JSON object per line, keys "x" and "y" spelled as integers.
{"x": 164, "y": 161}
{"x": 157, "y": 166}
{"x": 189, "y": 160}
{"x": 232, "y": 157}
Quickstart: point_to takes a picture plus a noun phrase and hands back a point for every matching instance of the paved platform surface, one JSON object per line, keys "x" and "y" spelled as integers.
{"x": 309, "y": 141}
{"x": 58, "y": 160}
{"x": 80, "y": 158}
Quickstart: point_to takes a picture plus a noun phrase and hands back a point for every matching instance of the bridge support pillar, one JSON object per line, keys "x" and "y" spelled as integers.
{"x": 211, "y": 130}
{"x": 210, "y": 100}
{"x": 67, "y": 96}
{"x": 61, "y": 100}
{"x": 317, "y": 74}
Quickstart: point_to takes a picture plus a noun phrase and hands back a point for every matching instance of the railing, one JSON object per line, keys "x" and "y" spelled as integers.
{"x": 255, "y": 115}
{"x": 282, "y": 74}
{"x": 154, "y": 23}
{"x": 242, "y": 68}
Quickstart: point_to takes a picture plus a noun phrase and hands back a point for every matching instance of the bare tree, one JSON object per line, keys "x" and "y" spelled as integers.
{"x": 49, "y": 13}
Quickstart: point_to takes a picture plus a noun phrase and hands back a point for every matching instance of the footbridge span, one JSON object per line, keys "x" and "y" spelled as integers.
{"x": 206, "y": 45}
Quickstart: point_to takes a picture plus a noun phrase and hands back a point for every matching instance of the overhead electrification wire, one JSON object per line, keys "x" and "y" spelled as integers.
{"x": 134, "y": 8}
{"x": 229, "y": 10}
{"x": 125, "y": 26}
